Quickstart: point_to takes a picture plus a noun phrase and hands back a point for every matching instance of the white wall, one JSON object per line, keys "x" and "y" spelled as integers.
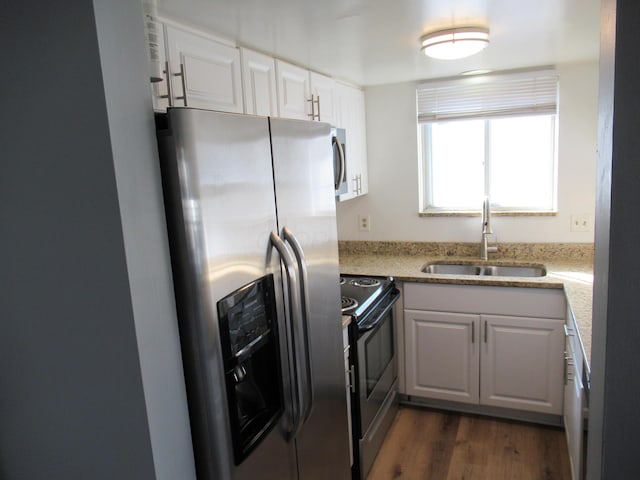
{"x": 392, "y": 146}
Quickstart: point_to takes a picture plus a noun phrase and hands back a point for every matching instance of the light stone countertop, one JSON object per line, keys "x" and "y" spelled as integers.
{"x": 575, "y": 275}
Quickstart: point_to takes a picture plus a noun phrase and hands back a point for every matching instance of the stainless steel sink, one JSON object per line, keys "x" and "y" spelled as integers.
{"x": 484, "y": 270}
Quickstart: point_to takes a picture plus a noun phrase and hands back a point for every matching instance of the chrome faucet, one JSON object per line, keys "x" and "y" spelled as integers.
{"x": 485, "y": 249}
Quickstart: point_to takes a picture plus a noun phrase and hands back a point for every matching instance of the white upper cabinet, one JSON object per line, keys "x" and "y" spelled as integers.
{"x": 323, "y": 101}
{"x": 204, "y": 73}
{"x": 259, "y": 83}
{"x": 160, "y": 94}
{"x": 294, "y": 91}
{"x": 200, "y": 71}
{"x": 350, "y": 115}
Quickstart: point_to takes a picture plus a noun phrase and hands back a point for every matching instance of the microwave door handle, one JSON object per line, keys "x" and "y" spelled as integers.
{"x": 337, "y": 143}
{"x": 296, "y": 406}
{"x": 303, "y": 337}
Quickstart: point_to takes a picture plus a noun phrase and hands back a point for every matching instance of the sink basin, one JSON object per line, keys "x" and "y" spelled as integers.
{"x": 484, "y": 270}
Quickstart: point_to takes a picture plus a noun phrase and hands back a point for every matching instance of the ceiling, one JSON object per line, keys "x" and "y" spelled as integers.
{"x": 371, "y": 42}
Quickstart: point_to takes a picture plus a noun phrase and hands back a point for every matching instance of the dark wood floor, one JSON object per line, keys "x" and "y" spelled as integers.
{"x": 425, "y": 444}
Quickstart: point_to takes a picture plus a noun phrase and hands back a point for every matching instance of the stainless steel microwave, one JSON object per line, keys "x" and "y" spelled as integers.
{"x": 339, "y": 142}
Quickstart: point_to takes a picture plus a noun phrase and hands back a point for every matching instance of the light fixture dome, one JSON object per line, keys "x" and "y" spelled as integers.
{"x": 455, "y": 42}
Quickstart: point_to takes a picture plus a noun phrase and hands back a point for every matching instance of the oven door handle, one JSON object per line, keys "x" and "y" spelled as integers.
{"x": 393, "y": 298}
{"x": 295, "y": 408}
{"x": 303, "y": 330}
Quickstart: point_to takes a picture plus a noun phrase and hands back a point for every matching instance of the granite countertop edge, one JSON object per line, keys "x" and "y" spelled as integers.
{"x": 575, "y": 276}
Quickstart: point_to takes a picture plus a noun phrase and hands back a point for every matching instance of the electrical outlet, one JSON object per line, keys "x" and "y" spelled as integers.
{"x": 581, "y": 222}
{"x": 364, "y": 223}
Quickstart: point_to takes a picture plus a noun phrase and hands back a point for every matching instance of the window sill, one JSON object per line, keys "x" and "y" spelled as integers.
{"x": 476, "y": 213}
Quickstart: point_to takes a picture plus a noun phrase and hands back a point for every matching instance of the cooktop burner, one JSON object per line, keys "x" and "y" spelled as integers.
{"x": 366, "y": 282}
{"x": 348, "y": 303}
{"x": 362, "y": 293}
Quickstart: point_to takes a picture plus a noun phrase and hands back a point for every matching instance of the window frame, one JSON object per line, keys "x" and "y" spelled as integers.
{"x": 426, "y": 174}
{"x": 515, "y": 93}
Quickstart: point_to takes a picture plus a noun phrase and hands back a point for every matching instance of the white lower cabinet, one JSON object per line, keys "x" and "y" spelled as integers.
{"x": 483, "y": 353}
{"x": 441, "y": 355}
{"x": 521, "y": 364}
{"x": 574, "y": 400}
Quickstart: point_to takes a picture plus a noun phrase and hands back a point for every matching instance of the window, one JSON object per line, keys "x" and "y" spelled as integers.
{"x": 493, "y": 136}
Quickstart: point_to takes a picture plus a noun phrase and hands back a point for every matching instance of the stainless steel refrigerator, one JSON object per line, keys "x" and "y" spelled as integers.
{"x": 250, "y": 207}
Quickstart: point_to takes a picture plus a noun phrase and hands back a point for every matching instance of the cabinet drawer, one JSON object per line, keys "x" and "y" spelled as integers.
{"x": 533, "y": 302}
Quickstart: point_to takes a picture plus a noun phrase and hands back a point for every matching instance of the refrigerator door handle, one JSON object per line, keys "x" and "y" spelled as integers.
{"x": 295, "y": 308}
{"x": 336, "y": 143}
{"x": 303, "y": 331}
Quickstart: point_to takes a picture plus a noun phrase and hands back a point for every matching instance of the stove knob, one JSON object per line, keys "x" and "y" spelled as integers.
{"x": 239, "y": 373}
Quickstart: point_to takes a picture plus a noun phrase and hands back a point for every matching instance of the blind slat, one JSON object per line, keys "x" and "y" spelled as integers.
{"x": 520, "y": 93}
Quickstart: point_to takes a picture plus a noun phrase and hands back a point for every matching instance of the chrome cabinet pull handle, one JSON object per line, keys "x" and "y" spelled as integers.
{"x": 183, "y": 80}
{"x": 486, "y": 328}
{"x": 569, "y": 373}
{"x": 473, "y": 332}
{"x": 313, "y": 111}
{"x": 315, "y": 102}
{"x": 167, "y": 77}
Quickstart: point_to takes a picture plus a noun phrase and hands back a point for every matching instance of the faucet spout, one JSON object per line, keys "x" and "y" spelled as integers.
{"x": 486, "y": 216}
{"x": 485, "y": 249}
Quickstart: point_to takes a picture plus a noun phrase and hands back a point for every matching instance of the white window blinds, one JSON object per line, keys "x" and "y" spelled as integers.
{"x": 495, "y": 95}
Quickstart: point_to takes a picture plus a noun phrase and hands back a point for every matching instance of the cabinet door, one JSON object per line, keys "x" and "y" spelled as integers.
{"x": 159, "y": 91}
{"x": 294, "y": 94}
{"x": 522, "y": 363}
{"x": 359, "y": 140}
{"x": 350, "y": 115}
{"x": 259, "y": 84}
{"x": 441, "y": 352}
{"x": 323, "y": 89}
{"x": 574, "y": 398}
{"x": 205, "y": 74}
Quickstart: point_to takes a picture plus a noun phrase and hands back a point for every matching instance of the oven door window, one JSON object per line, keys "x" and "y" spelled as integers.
{"x": 379, "y": 352}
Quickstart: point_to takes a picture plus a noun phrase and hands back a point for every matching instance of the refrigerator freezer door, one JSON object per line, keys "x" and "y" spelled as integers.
{"x": 305, "y": 197}
{"x": 217, "y": 175}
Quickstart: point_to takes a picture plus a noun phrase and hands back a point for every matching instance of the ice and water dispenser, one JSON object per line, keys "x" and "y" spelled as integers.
{"x": 250, "y": 346}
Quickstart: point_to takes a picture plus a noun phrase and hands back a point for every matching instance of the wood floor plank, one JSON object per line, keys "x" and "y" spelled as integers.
{"x": 417, "y": 446}
{"x": 425, "y": 444}
{"x": 472, "y": 450}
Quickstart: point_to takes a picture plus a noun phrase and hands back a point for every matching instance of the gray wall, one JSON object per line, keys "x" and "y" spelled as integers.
{"x": 90, "y": 373}
{"x": 614, "y": 417}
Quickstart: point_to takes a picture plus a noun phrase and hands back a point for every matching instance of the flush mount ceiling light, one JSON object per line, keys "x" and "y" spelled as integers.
{"x": 455, "y": 42}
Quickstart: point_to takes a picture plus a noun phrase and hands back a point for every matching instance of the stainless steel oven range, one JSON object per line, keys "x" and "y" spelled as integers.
{"x": 369, "y": 301}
